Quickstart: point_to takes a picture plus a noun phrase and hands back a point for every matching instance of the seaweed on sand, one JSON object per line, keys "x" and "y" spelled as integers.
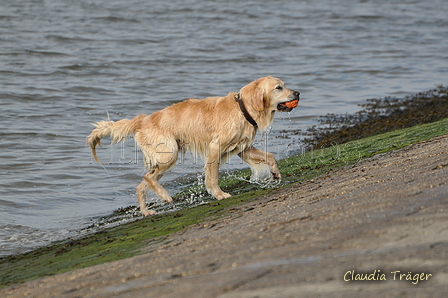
{"x": 379, "y": 116}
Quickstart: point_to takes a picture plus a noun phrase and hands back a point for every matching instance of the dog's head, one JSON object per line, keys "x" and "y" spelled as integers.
{"x": 269, "y": 94}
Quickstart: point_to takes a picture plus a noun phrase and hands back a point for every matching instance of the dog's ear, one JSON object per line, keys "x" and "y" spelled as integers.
{"x": 253, "y": 95}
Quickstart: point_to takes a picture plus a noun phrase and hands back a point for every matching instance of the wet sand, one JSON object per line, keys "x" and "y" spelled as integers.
{"x": 388, "y": 213}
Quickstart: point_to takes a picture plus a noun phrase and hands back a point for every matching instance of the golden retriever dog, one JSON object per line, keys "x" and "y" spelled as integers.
{"x": 215, "y": 127}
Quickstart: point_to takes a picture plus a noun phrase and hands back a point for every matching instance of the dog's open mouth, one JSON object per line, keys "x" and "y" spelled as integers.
{"x": 288, "y": 105}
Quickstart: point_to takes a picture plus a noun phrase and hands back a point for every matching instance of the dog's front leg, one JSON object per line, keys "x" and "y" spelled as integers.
{"x": 262, "y": 163}
{"x": 211, "y": 172}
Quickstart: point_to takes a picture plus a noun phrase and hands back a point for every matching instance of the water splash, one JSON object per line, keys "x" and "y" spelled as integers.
{"x": 262, "y": 182}
{"x": 266, "y": 132}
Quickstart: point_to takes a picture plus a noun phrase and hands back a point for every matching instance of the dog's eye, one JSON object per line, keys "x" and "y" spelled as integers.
{"x": 279, "y": 87}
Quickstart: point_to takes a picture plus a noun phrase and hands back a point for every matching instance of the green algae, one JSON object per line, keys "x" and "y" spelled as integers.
{"x": 378, "y": 116}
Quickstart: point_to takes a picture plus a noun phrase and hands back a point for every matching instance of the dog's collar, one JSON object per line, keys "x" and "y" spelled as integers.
{"x": 244, "y": 110}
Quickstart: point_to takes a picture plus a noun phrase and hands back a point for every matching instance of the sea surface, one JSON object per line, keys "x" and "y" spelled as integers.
{"x": 67, "y": 64}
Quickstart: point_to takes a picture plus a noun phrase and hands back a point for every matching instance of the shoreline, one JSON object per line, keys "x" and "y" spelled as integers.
{"x": 135, "y": 239}
{"x": 385, "y": 213}
{"x": 377, "y": 115}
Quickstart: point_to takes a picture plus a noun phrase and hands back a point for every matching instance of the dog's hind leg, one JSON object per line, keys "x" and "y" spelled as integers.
{"x": 165, "y": 156}
{"x": 141, "y": 195}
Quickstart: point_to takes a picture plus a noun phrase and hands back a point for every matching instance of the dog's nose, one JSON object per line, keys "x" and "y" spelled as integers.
{"x": 296, "y": 94}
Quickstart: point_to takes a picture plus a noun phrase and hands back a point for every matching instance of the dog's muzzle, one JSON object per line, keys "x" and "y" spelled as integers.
{"x": 287, "y": 106}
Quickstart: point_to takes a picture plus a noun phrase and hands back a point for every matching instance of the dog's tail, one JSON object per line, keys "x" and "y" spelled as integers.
{"x": 118, "y": 131}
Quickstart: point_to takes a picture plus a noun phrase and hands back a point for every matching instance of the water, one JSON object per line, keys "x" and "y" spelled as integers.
{"x": 63, "y": 64}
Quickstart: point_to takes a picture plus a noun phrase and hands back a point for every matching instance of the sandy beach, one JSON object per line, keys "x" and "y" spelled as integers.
{"x": 383, "y": 219}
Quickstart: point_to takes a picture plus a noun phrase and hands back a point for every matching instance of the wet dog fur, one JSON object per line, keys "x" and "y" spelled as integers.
{"x": 214, "y": 127}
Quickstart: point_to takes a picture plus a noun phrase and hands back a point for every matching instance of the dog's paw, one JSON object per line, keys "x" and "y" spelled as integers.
{"x": 148, "y": 212}
{"x": 222, "y": 195}
{"x": 276, "y": 176}
{"x": 167, "y": 199}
